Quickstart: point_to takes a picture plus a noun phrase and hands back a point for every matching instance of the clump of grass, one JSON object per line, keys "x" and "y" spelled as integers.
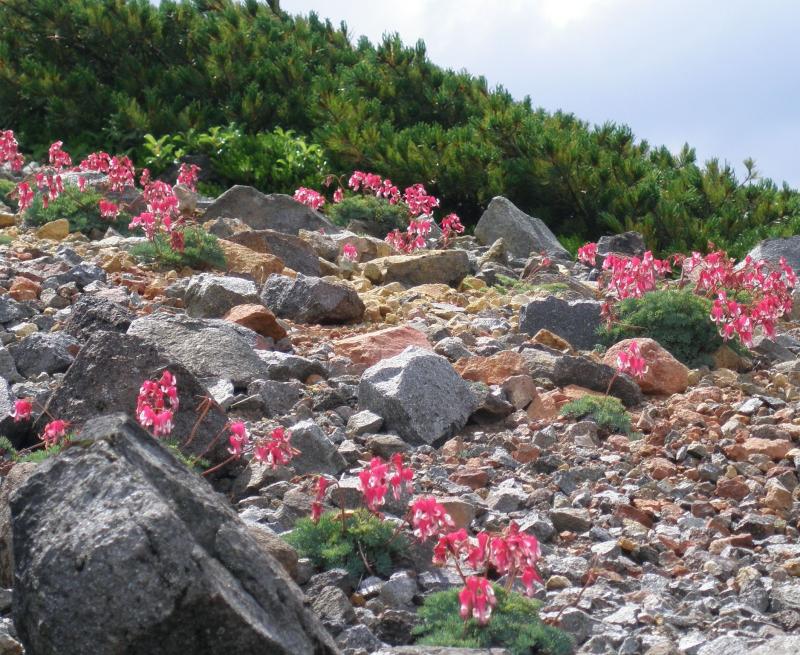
{"x": 608, "y": 412}
{"x": 201, "y": 251}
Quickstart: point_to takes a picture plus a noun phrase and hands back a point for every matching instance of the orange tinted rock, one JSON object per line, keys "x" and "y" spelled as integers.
{"x": 494, "y": 369}
{"x": 471, "y": 477}
{"x": 665, "y": 374}
{"x": 24, "y": 289}
{"x": 772, "y": 448}
{"x": 526, "y": 453}
{"x": 370, "y": 348}
{"x": 732, "y": 488}
{"x": 660, "y": 468}
{"x": 258, "y": 318}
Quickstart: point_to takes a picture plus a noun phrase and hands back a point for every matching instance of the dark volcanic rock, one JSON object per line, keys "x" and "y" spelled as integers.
{"x": 311, "y": 300}
{"x": 296, "y": 253}
{"x": 576, "y": 321}
{"x": 91, "y": 314}
{"x": 106, "y": 377}
{"x": 275, "y": 211}
{"x": 44, "y": 352}
{"x": 118, "y": 548}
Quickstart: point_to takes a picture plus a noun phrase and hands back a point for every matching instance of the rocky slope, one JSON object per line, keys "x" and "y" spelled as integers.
{"x": 683, "y": 539}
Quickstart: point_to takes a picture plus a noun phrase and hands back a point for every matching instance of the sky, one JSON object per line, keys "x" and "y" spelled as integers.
{"x": 721, "y": 75}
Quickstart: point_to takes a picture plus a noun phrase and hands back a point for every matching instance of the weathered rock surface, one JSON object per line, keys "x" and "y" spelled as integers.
{"x": 178, "y": 573}
{"x": 522, "y": 234}
{"x": 91, "y": 314}
{"x": 665, "y": 374}
{"x": 212, "y": 296}
{"x": 425, "y": 267}
{"x": 257, "y": 318}
{"x": 627, "y": 243}
{"x": 275, "y": 211}
{"x": 312, "y": 300}
{"x": 106, "y": 377}
{"x": 576, "y": 321}
{"x": 44, "y": 353}
{"x": 418, "y": 394}
{"x": 293, "y": 251}
{"x": 370, "y": 348}
{"x": 209, "y": 348}
{"x": 773, "y": 249}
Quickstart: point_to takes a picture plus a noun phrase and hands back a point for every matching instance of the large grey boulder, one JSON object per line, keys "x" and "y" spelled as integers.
{"x": 522, "y": 234}
{"x": 118, "y": 548}
{"x": 773, "y": 249}
{"x": 275, "y": 211}
{"x": 418, "y": 394}
{"x": 577, "y": 321}
{"x": 209, "y": 348}
{"x": 311, "y": 300}
{"x": 212, "y": 296}
{"x": 44, "y": 352}
{"x": 106, "y": 377}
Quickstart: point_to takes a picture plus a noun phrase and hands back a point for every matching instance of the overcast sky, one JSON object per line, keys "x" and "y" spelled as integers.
{"x": 723, "y": 75}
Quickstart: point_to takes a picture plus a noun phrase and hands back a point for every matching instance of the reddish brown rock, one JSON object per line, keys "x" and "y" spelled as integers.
{"x": 526, "y": 453}
{"x": 24, "y": 289}
{"x": 370, "y": 348}
{"x": 494, "y": 369}
{"x": 665, "y": 374}
{"x": 732, "y": 488}
{"x": 258, "y": 318}
{"x": 471, "y": 477}
{"x": 773, "y": 448}
{"x": 660, "y": 468}
{"x": 778, "y": 497}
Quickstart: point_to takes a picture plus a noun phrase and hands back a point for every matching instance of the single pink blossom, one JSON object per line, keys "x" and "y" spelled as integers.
{"x": 22, "y": 410}
{"x": 477, "y": 600}
{"x": 54, "y": 432}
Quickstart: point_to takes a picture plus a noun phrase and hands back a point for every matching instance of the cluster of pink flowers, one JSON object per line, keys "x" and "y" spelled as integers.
{"x": 416, "y": 199}
{"x": 108, "y": 209}
{"x": 238, "y": 438}
{"x": 188, "y": 174}
{"x": 309, "y": 197}
{"x": 631, "y": 362}
{"x": 350, "y": 252}
{"x": 511, "y": 553}
{"x": 120, "y": 170}
{"x": 157, "y": 403}
{"x": 275, "y": 449}
{"x": 587, "y": 254}
{"x": 54, "y": 432}
{"x": 9, "y": 151}
{"x": 161, "y": 215}
{"x": 632, "y": 277}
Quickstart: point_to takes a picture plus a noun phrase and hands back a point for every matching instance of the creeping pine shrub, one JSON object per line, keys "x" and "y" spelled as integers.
{"x": 608, "y": 412}
{"x": 376, "y": 213}
{"x": 201, "y": 250}
{"x": 678, "y": 320}
{"x": 515, "y": 625}
{"x": 80, "y": 208}
{"x": 366, "y": 537}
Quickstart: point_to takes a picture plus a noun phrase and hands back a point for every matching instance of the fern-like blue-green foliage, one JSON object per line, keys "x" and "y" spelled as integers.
{"x": 608, "y": 412}
{"x": 367, "y": 546}
{"x": 514, "y": 625}
{"x": 201, "y": 250}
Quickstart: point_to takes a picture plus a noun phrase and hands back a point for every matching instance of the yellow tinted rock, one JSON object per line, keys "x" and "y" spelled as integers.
{"x": 54, "y": 230}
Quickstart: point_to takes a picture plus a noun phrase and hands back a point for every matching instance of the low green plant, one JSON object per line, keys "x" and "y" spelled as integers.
{"x": 571, "y": 243}
{"x": 79, "y": 208}
{"x": 608, "y": 412}
{"x": 201, "y": 250}
{"x": 37, "y": 456}
{"x": 678, "y": 319}
{"x": 197, "y": 465}
{"x": 6, "y": 240}
{"x": 515, "y": 625}
{"x": 376, "y": 213}
{"x": 6, "y": 188}
{"x": 367, "y": 545}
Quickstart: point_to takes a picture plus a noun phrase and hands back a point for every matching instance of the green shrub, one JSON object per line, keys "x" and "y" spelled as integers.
{"x": 515, "y": 625}
{"x": 201, "y": 251}
{"x": 79, "y": 208}
{"x": 366, "y": 538}
{"x": 679, "y": 320}
{"x": 37, "y": 456}
{"x": 276, "y": 162}
{"x": 7, "y": 187}
{"x": 380, "y": 216}
{"x": 608, "y": 412}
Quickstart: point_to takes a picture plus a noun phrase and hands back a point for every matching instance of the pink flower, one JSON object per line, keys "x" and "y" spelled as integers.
{"x": 22, "y": 410}
{"x": 108, "y": 209}
{"x": 372, "y": 482}
{"x": 453, "y": 543}
{"x": 25, "y": 194}
{"x": 350, "y": 252}
{"x": 275, "y": 450}
{"x": 54, "y": 432}
{"x": 309, "y": 197}
{"x": 630, "y": 361}
{"x": 402, "y": 478}
{"x": 58, "y": 158}
{"x": 9, "y": 151}
{"x": 477, "y": 600}
{"x": 588, "y": 254}
{"x": 157, "y": 403}
{"x": 429, "y": 518}
{"x": 187, "y": 175}
{"x": 238, "y": 439}
{"x": 316, "y": 506}
{"x": 338, "y": 195}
